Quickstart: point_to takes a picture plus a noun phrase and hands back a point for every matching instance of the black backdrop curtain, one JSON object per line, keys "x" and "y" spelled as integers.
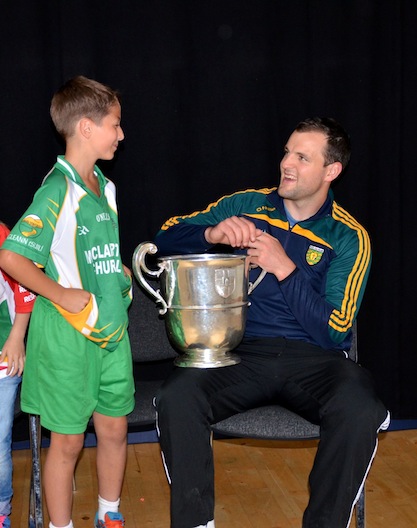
{"x": 211, "y": 90}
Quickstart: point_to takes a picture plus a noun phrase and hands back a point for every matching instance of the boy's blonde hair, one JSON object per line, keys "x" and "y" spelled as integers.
{"x": 81, "y": 97}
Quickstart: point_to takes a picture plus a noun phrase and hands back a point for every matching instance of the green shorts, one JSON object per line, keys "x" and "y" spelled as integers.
{"x": 67, "y": 377}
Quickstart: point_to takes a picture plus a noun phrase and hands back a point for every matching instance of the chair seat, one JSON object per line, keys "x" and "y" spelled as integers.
{"x": 144, "y": 412}
{"x": 271, "y": 422}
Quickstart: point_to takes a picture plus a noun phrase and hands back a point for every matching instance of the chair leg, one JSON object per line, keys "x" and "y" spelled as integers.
{"x": 360, "y": 510}
{"x": 35, "y": 501}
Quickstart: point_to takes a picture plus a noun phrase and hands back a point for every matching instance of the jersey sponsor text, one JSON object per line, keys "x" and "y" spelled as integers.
{"x": 105, "y": 267}
{"x": 102, "y": 258}
{"x": 101, "y": 252}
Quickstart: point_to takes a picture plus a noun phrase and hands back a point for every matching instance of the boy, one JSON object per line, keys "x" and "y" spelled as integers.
{"x": 16, "y": 303}
{"x": 79, "y": 362}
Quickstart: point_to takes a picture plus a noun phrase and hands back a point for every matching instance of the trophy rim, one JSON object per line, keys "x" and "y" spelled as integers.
{"x": 203, "y": 257}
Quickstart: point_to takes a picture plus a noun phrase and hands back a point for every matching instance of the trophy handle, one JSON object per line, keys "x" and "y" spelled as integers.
{"x": 139, "y": 264}
{"x": 252, "y": 285}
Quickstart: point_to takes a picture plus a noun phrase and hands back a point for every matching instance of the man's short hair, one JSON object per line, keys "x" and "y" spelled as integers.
{"x": 338, "y": 142}
{"x": 81, "y": 97}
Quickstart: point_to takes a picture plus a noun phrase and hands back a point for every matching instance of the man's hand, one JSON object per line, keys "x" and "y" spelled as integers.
{"x": 235, "y": 231}
{"x": 268, "y": 253}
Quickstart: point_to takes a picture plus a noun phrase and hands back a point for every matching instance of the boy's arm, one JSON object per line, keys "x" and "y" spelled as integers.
{"x": 29, "y": 275}
{"x": 14, "y": 347}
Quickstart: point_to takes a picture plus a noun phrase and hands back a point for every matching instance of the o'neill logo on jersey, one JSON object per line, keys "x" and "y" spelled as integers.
{"x": 103, "y": 217}
{"x": 313, "y": 255}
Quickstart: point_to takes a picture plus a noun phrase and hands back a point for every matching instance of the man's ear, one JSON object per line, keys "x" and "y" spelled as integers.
{"x": 333, "y": 171}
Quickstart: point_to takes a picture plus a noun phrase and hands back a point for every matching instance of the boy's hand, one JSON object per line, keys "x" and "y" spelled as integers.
{"x": 127, "y": 271}
{"x": 74, "y": 300}
{"x": 14, "y": 347}
{"x": 14, "y": 351}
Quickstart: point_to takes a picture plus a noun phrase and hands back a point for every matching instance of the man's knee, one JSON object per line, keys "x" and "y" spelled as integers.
{"x": 180, "y": 396}
{"x": 356, "y": 400}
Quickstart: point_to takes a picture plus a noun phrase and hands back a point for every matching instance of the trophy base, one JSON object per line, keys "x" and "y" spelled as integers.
{"x": 206, "y": 359}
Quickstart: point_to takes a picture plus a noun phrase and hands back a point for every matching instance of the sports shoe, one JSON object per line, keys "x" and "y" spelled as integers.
{"x": 4, "y": 521}
{"x": 111, "y": 520}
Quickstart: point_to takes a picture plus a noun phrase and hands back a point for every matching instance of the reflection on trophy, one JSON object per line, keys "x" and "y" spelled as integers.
{"x": 204, "y": 300}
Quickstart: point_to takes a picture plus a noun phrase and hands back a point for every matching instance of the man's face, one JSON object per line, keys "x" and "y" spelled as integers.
{"x": 303, "y": 174}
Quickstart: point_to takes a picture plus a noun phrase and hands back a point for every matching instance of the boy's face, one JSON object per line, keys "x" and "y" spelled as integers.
{"x": 108, "y": 133}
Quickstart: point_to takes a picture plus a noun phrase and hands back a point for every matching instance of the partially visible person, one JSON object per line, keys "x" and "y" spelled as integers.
{"x": 79, "y": 362}
{"x": 299, "y": 328}
{"x": 16, "y": 304}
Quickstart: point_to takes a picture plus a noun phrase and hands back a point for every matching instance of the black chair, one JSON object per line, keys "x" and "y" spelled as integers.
{"x": 152, "y": 360}
{"x": 152, "y": 356}
{"x": 273, "y": 422}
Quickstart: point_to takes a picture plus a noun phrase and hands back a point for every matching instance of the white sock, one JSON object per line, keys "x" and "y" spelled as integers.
{"x": 105, "y": 506}
{"x": 70, "y": 525}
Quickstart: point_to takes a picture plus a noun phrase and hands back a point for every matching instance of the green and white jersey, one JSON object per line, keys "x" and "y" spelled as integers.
{"x": 74, "y": 235}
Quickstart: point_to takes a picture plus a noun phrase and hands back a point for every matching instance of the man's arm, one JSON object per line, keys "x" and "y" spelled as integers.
{"x": 235, "y": 231}
{"x": 221, "y": 222}
{"x": 182, "y": 239}
{"x": 328, "y": 316}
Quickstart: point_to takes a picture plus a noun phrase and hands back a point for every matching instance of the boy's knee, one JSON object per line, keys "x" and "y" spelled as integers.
{"x": 111, "y": 429}
{"x": 69, "y": 445}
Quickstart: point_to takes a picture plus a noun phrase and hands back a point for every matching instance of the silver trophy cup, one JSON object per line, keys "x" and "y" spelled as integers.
{"x": 204, "y": 300}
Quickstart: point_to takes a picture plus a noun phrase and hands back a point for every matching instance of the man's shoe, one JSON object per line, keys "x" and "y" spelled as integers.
{"x": 111, "y": 520}
{"x": 4, "y": 521}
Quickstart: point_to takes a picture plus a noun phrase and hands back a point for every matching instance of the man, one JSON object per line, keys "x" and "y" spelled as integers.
{"x": 316, "y": 257}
